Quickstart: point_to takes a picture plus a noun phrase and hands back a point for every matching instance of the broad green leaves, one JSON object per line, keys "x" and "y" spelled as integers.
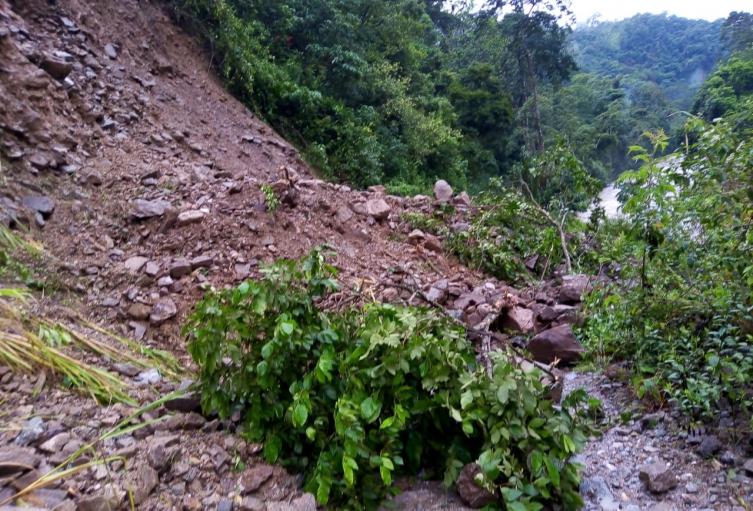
{"x": 353, "y": 399}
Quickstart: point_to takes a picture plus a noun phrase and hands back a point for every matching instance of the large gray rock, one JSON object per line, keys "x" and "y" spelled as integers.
{"x": 470, "y": 492}
{"x": 658, "y": 477}
{"x": 442, "y": 191}
{"x": 556, "y": 343}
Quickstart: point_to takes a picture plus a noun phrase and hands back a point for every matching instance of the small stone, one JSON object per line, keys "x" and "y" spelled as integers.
{"x": 251, "y": 504}
{"x": 470, "y": 492}
{"x": 442, "y": 191}
{"x": 31, "y": 431}
{"x": 691, "y": 487}
{"x": 149, "y": 377}
{"x": 180, "y": 267}
{"x": 305, "y": 502}
{"x": 143, "y": 209}
{"x": 202, "y": 261}
{"x": 225, "y": 505}
{"x": 190, "y": 217}
{"x": 142, "y": 483}
{"x": 254, "y": 477}
{"x": 378, "y": 208}
{"x": 134, "y": 264}
{"x": 748, "y": 467}
{"x": 709, "y": 446}
{"x": 152, "y": 269}
{"x": 658, "y": 477}
{"x": 111, "y": 51}
{"x": 56, "y": 67}
{"x": 139, "y": 311}
{"x": 39, "y": 203}
{"x": 98, "y": 503}
{"x": 162, "y": 311}
{"x": 56, "y": 443}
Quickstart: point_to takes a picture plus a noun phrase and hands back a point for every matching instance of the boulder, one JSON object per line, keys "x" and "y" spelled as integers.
{"x": 573, "y": 288}
{"x": 254, "y": 477}
{"x": 463, "y": 199}
{"x": 471, "y": 493}
{"x": 442, "y": 191}
{"x": 378, "y": 208}
{"x": 556, "y": 343}
{"x": 518, "y": 319}
{"x": 658, "y": 477}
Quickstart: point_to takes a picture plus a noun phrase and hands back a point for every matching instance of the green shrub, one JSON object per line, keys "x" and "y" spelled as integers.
{"x": 356, "y": 398}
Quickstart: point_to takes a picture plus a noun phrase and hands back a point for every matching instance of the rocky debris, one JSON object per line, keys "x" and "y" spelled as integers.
{"x": 442, "y": 191}
{"x": 709, "y": 446}
{"x": 98, "y": 503}
{"x": 162, "y": 311}
{"x": 139, "y": 311}
{"x": 144, "y": 209}
{"x": 558, "y": 343}
{"x": 470, "y": 492}
{"x": 658, "y": 477}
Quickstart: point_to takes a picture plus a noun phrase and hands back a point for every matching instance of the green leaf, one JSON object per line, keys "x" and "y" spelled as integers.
{"x": 466, "y": 399}
{"x": 370, "y": 409}
{"x": 349, "y": 467}
{"x": 300, "y": 415}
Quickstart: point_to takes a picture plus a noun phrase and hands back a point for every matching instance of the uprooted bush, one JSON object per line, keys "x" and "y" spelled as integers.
{"x": 353, "y": 399}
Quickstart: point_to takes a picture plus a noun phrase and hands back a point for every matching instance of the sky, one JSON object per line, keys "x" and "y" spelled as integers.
{"x": 619, "y": 9}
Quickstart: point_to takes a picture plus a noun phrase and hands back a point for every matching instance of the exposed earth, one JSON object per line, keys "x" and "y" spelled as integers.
{"x": 142, "y": 178}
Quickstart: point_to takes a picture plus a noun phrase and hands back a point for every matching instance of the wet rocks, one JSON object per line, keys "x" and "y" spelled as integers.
{"x": 442, "y": 191}
{"x": 658, "y": 477}
{"x": 558, "y": 343}
{"x": 470, "y": 492}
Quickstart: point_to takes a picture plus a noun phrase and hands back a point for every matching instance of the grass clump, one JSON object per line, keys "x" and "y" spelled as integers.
{"x": 354, "y": 399}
